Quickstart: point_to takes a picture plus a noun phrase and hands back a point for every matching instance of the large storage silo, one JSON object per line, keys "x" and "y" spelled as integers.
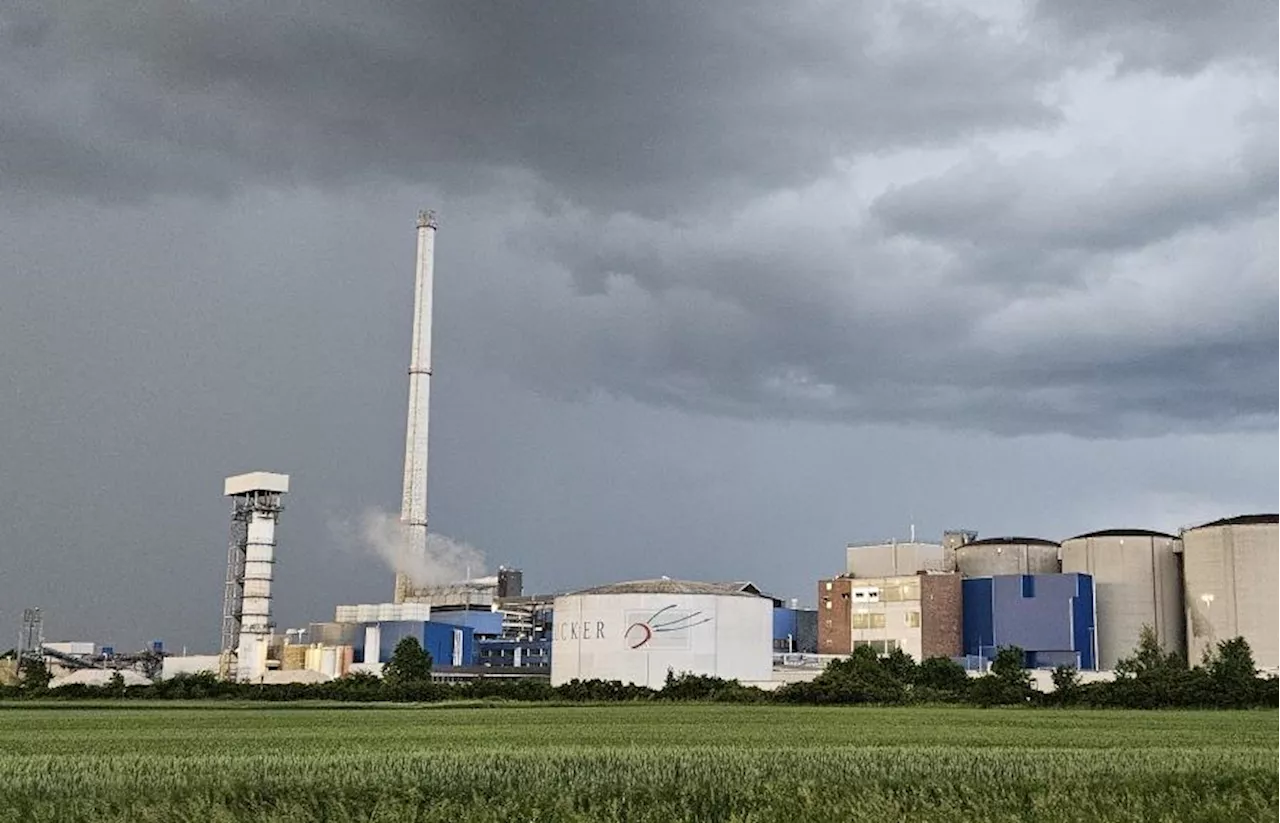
{"x": 1136, "y": 583}
{"x": 993, "y": 556}
{"x": 637, "y": 631}
{"x": 1230, "y": 576}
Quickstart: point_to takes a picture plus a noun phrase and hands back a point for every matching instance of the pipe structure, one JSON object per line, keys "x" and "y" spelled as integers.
{"x": 246, "y": 617}
{"x": 413, "y": 507}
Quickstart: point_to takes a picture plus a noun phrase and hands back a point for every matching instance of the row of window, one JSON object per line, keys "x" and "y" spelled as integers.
{"x": 878, "y": 646}
{"x": 876, "y": 620}
{"x": 892, "y": 593}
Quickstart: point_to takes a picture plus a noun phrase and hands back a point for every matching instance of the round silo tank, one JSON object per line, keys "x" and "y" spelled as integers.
{"x": 1136, "y": 583}
{"x": 1230, "y": 582}
{"x": 1007, "y": 555}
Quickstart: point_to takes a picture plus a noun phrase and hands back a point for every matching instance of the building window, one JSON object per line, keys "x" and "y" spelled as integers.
{"x": 863, "y": 620}
{"x": 828, "y": 585}
{"x": 913, "y": 620}
{"x": 880, "y": 647}
{"x": 828, "y": 603}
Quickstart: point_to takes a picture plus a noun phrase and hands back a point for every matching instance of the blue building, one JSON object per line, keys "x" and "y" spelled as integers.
{"x": 484, "y": 622}
{"x": 1050, "y": 616}
{"x": 795, "y": 630}
{"x": 448, "y": 645}
{"x": 510, "y": 653}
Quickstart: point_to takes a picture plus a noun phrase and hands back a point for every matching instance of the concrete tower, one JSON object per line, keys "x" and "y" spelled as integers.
{"x": 246, "y": 613}
{"x": 413, "y": 508}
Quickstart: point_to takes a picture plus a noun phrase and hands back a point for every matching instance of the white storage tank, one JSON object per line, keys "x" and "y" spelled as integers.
{"x": 993, "y": 556}
{"x": 1230, "y": 578}
{"x": 1136, "y": 582}
{"x": 635, "y": 632}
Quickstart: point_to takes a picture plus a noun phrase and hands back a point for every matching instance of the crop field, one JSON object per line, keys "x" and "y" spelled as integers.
{"x": 647, "y": 762}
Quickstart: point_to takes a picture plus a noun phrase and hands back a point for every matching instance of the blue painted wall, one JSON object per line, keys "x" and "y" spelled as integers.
{"x": 978, "y": 612}
{"x": 437, "y": 638}
{"x": 1051, "y": 616}
{"x": 481, "y": 622}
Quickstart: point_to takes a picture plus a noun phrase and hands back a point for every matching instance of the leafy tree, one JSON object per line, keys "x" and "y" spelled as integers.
{"x": 858, "y": 678}
{"x": 35, "y": 674}
{"x": 1149, "y": 658}
{"x": 1066, "y": 685}
{"x": 409, "y": 663}
{"x": 1231, "y": 668}
{"x": 942, "y": 674}
{"x": 900, "y": 666}
{"x": 1008, "y": 665}
{"x": 115, "y": 686}
{"x": 1066, "y": 679}
{"x": 1008, "y": 681}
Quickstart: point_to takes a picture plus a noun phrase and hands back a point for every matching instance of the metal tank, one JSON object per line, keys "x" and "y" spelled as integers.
{"x": 637, "y": 631}
{"x": 1230, "y": 583}
{"x": 1007, "y": 555}
{"x": 1136, "y": 583}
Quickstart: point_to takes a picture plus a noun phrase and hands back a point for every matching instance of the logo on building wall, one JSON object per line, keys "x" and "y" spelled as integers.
{"x": 663, "y": 629}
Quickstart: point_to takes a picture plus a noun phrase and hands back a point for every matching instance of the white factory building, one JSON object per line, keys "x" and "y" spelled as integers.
{"x": 636, "y": 632}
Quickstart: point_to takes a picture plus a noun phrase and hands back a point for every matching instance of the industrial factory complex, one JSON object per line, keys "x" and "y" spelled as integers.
{"x": 1082, "y": 601}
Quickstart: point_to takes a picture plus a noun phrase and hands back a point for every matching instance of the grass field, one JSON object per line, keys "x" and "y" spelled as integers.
{"x": 649, "y": 762}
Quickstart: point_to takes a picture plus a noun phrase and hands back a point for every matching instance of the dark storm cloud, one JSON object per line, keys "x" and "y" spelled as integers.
{"x": 621, "y": 106}
{"x": 851, "y": 212}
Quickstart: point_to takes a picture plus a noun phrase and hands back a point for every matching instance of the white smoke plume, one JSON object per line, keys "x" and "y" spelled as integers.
{"x": 446, "y": 560}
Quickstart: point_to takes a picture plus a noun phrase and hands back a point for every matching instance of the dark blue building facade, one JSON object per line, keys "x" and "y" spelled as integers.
{"x": 497, "y": 652}
{"x": 795, "y": 630}
{"x": 1050, "y": 616}
{"x": 481, "y": 621}
{"x": 448, "y": 645}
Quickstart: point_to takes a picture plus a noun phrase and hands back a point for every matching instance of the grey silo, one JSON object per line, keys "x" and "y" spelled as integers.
{"x": 1137, "y": 582}
{"x": 1231, "y": 569}
{"x": 1007, "y": 555}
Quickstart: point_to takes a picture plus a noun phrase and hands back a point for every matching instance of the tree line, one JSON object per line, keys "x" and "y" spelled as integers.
{"x": 1150, "y": 679}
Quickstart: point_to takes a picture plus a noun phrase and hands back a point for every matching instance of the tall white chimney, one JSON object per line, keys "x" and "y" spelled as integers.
{"x": 413, "y": 508}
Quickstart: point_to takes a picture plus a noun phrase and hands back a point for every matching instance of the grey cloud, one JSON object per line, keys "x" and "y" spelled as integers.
{"x": 805, "y": 315}
{"x": 629, "y": 107}
{"x": 1032, "y": 208}
{"x": 1181, "y": 36}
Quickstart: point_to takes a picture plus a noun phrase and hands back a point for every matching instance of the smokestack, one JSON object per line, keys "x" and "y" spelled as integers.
{"x": 413, "y": 508}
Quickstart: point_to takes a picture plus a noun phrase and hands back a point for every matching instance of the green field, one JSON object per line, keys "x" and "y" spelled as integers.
{"x": 648, "y": 762}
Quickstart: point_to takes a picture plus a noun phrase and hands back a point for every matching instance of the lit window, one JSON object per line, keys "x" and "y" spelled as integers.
{"x": 913, "y": 619}
{"x": 828, "y": 604}
{"x": 862, "y": 620}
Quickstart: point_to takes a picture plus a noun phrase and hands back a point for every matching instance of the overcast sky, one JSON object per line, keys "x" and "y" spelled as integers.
{"x": 721, "y": 286}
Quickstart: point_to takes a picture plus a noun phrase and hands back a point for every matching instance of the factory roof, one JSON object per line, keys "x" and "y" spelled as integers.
{"x": 1122, "y": 533}
{"x": 1009, "y": 541}
{"x": 664, "y": 585}
{"x": 1242, "y": 520}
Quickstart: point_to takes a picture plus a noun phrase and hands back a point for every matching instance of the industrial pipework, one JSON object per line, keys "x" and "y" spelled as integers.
{"x": 246, "y": 610}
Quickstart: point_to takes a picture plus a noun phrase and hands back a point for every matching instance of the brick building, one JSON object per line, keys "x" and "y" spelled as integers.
{"x": 921, "y": 614}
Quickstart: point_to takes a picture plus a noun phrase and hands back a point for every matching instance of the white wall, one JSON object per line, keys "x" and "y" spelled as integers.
{"x": 636, "y": 638}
